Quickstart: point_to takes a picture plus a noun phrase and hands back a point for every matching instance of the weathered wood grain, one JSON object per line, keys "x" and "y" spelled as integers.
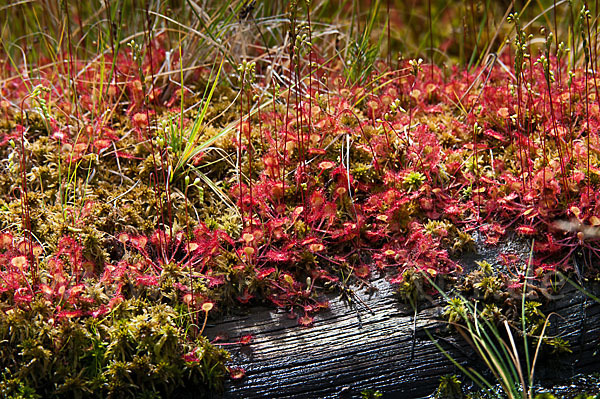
{"x": 349, "y": 349}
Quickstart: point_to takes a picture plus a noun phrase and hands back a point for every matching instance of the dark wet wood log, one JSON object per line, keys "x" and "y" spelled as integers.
{"x": 349, "y": 350}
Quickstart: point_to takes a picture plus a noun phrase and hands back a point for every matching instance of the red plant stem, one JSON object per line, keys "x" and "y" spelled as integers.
{"x": 250, "y": 153}
{"x": 301, "y": 144}
{"x": 389, "y": 36}
{"x": 239, "y": 151}
{"x": 275, "y": 124}
{"x": 287, "y": 107}
{"x": 543, "y": 140}
{"x": 588, "y": 132}
{"x": 519, "y": 127}
{"x": 260, "y": 130}
{"x": 203, "y": 324}
{"x": 557, "y": 138}
{"x": 71, "y": 68}
{"x": 556, "y": 48}
{"x": 189, "y": 260}
{"x": 165, "y": 178}
{"x": 159, "y": 214}
{"x": 506, "y": 122}
{"x": 285, "y": 138}
{"x": 430, "y": 35}
{"x": 476, "y": 169}
{"x": 410, "y": 112}
{"x": 530, "y": 105}
{"x": 594, "y": 69}
{"x": 25, "y": 211}
{"x": 310, "y": 73}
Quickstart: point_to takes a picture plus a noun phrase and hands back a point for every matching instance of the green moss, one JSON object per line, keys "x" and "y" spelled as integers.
{"x": 456, "y": 240}
{"x": 450, "y": 388}
{"x": 137, "y": 348}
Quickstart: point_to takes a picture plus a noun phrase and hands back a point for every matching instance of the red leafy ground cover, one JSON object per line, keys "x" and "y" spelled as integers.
{"x": 328, "y": 183}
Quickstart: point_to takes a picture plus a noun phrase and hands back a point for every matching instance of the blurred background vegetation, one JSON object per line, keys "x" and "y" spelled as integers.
{"x": 445, "y": 32}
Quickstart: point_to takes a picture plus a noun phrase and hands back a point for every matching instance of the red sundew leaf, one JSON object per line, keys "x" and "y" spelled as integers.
{"x": 526, "y": 230}
{"x": 503, "y": 113}
{"x": 181, "y": 287}
{"x": 513, "y": 195}
{"x": 225, "y": 237}
{"x": 110, "y": 135}
{"x": 309, "y": 308}
{"x": 207, "y": 306}
{"x": 262, "y": 273}
{"x": 76, "y": 290}
{"x": 316, "y": 247}
{"x": 6, "y": 240}
{"x": 324, "y": 304}
{"x": 60, "y": 135}
{"x": 494, "y": 134}
{"x": 309, "y": 240}
{"x": 140, "y": 119}
{"x": 322, "y": 274}
{"x": 84, "y": 300}
{"x": 480, "y": 147}
{"x": 245, "y": 339}
{"x": 46, "y": 290}
{"x": 509, "y": 259}
{"x": 487, "y": 180}
{"x": 434, "y": 109}
{"x": 191, "y": 356}
{"x": 187, "y": 299}
{"x": 19, "y": 262}
{"x": 101, "y": 311}
{"x": 241, "y": 267}
{"x": 236, "y": 373}
{"x": 545, "y": 268}
{"x": 37, "y": 249}
{"x": 22, "y": 295}
{"x": 492, "y": 240}
{"x": 123, "y": 237}
{"x": 115, "y": 301}
{"x": 122, "y": 154}
{"x": 215, "y": 281}
{"x": 276, "y": 301}
{"x": 452, "y": 210}
{"x": 220, "y": 337}
{"x": 317, "y": 151}
{"x": 23, "y": 246}
{"x": 139, "y": 242}
{"x": 515, "y": 286}
{"x": 276, "y": 256}
{"x": 296, "y": 213}
{"x": 147, "y": 281}
{"x": 306, "y": 320}
{"x": 362, "y": 271}
{"x": 245, "y": 297}
{"x": 578, "y": 176}
{"x": 375, "y": 235}
{"x": 191, "y": 247}
{"x": 292, "y": 315}
{"x": 101, "y": 144}
{"x": 69, "y": 314}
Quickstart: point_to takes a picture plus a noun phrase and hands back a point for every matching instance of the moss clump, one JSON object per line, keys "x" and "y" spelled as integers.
{"x": 137, "y": 349}
{"x": 456, "y": 240}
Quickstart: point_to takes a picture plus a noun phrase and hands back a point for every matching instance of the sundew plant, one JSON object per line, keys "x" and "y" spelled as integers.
{"x": 164, "y": 162}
